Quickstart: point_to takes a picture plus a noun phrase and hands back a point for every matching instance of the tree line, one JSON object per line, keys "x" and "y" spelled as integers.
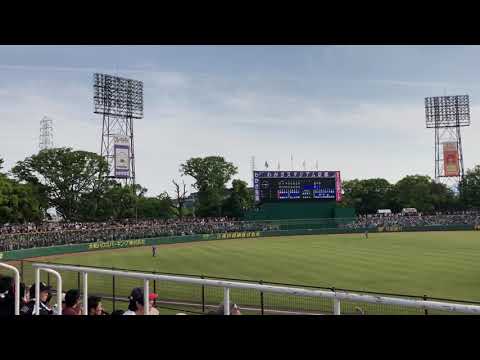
{"x": 74, "y": 182}
{"x": 413, "y": 191}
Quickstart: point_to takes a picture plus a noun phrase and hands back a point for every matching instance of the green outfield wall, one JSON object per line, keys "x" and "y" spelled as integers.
{"x": 119, "y": 244}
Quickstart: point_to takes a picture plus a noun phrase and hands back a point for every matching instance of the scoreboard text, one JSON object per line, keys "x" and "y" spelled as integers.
{"x": 296, "y": 185}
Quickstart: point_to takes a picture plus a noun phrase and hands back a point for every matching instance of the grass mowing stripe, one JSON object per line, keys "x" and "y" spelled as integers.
{"x": 441, "y": 264}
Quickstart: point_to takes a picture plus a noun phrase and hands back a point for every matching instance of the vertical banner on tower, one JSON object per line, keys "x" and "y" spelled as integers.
{"x": 338, "y": 186}
{"x": 121, "y": 150}
{"x": 450, "y": 159}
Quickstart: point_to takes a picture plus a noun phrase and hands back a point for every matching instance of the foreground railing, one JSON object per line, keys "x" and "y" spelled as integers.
{"x": 336, "y": 296}
{"x": 17, "y": 285}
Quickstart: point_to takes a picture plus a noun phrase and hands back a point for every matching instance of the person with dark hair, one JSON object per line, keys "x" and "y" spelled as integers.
{"x": 95, "y": 306}
{"x": 136, "y": 304}
{"x": 154, "y": 250}
{"x": 72, "y": 303}
{"x": 7, "y": 297}
{"x": 45, "y": 296}
{"x": 24, "y": 295}
{"x": 24, "y": 298}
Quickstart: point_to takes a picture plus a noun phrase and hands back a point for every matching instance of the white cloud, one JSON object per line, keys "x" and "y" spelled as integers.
{"x": 188, "y": 116}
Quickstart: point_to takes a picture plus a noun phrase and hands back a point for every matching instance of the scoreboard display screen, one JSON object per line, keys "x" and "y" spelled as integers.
{"x": 282, "y": 186}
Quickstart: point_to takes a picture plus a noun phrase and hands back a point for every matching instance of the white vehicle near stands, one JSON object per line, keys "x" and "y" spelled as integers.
{"x": 409, "y": 211}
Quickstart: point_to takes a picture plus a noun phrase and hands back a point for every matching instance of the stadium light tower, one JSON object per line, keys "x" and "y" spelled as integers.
{"x": 119, "y": 101}
{"x": 447, "y": 114}
{"x": 46, "y": 133}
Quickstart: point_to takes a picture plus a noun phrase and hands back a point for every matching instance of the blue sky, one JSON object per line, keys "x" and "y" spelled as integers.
{"x": 358, "y": 109}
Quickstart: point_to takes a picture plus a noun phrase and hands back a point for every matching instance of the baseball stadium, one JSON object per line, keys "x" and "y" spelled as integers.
{"x": 79, "y": 235}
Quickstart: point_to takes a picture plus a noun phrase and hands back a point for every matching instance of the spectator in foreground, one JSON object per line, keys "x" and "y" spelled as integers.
{"x": 234, "y": 309}
{"x": 95, "y": 306}
{"x": 24, "y": 295}
{"x": 55, "y": 307}
{"x": 45, "y": 296}
{"x": 152, "y": 297}
{"x": 7, "y": 298}
{"x": 136, "y": 304}
{"x": 72, "y": 303}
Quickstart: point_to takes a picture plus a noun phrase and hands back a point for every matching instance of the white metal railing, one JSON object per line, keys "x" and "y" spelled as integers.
{"x": 37, "y": 289}
{"x": 17, "y": 285}
{"x": 336, "y": 296}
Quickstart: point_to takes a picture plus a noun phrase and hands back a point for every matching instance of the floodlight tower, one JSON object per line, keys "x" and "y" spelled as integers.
{"x": 447, "y": 114}
{"x": 46, "y": 133}
{"x": 119, "y": 101}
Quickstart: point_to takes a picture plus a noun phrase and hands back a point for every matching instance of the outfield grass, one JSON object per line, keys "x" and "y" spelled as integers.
{"x": 438, "y": 264}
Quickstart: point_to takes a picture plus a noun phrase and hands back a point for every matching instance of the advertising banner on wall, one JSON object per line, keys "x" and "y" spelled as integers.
{"x": 450, "y": 159}
{"x": 121, "y": 149}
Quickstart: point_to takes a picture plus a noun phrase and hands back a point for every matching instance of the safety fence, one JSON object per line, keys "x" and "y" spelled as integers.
{"x": 197, "y": 294}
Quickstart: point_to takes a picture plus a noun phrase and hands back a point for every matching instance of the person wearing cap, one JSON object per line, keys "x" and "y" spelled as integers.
{"x": 45, "y": 295}
{"x": 136, "y": 304}
{"x": 152, "y": 297}
{"x": 72, "y": 303}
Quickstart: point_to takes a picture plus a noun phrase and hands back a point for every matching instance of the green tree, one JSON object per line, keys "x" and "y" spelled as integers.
{"x": 18, "y": 202}
{"x": 239, "y": 201}
{"x": 66, "y": 177}
{"x": 443, "y": 198}
{"x": 160, "y": 207}
{"x": 6, "y": 208}
{"x": 367, "y": 196}
{"x": 422, "y": 193}
{"x": 470, "y": 188}
{"x": 211, "y": 175}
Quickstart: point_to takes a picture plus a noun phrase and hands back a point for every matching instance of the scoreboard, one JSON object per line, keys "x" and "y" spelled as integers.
{"x": 283, "y": 186}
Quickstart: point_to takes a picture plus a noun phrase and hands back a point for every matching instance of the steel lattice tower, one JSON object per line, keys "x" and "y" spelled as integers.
{"x": 446, "y": 115}
{"x": 46, "y": 133}
{"x": 119, "y": 101}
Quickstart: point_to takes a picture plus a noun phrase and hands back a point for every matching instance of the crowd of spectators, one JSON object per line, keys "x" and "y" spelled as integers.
{"x": 14, "y": 237}
{"x": 403, "y": 220}
{"x": 71, "y": 304}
